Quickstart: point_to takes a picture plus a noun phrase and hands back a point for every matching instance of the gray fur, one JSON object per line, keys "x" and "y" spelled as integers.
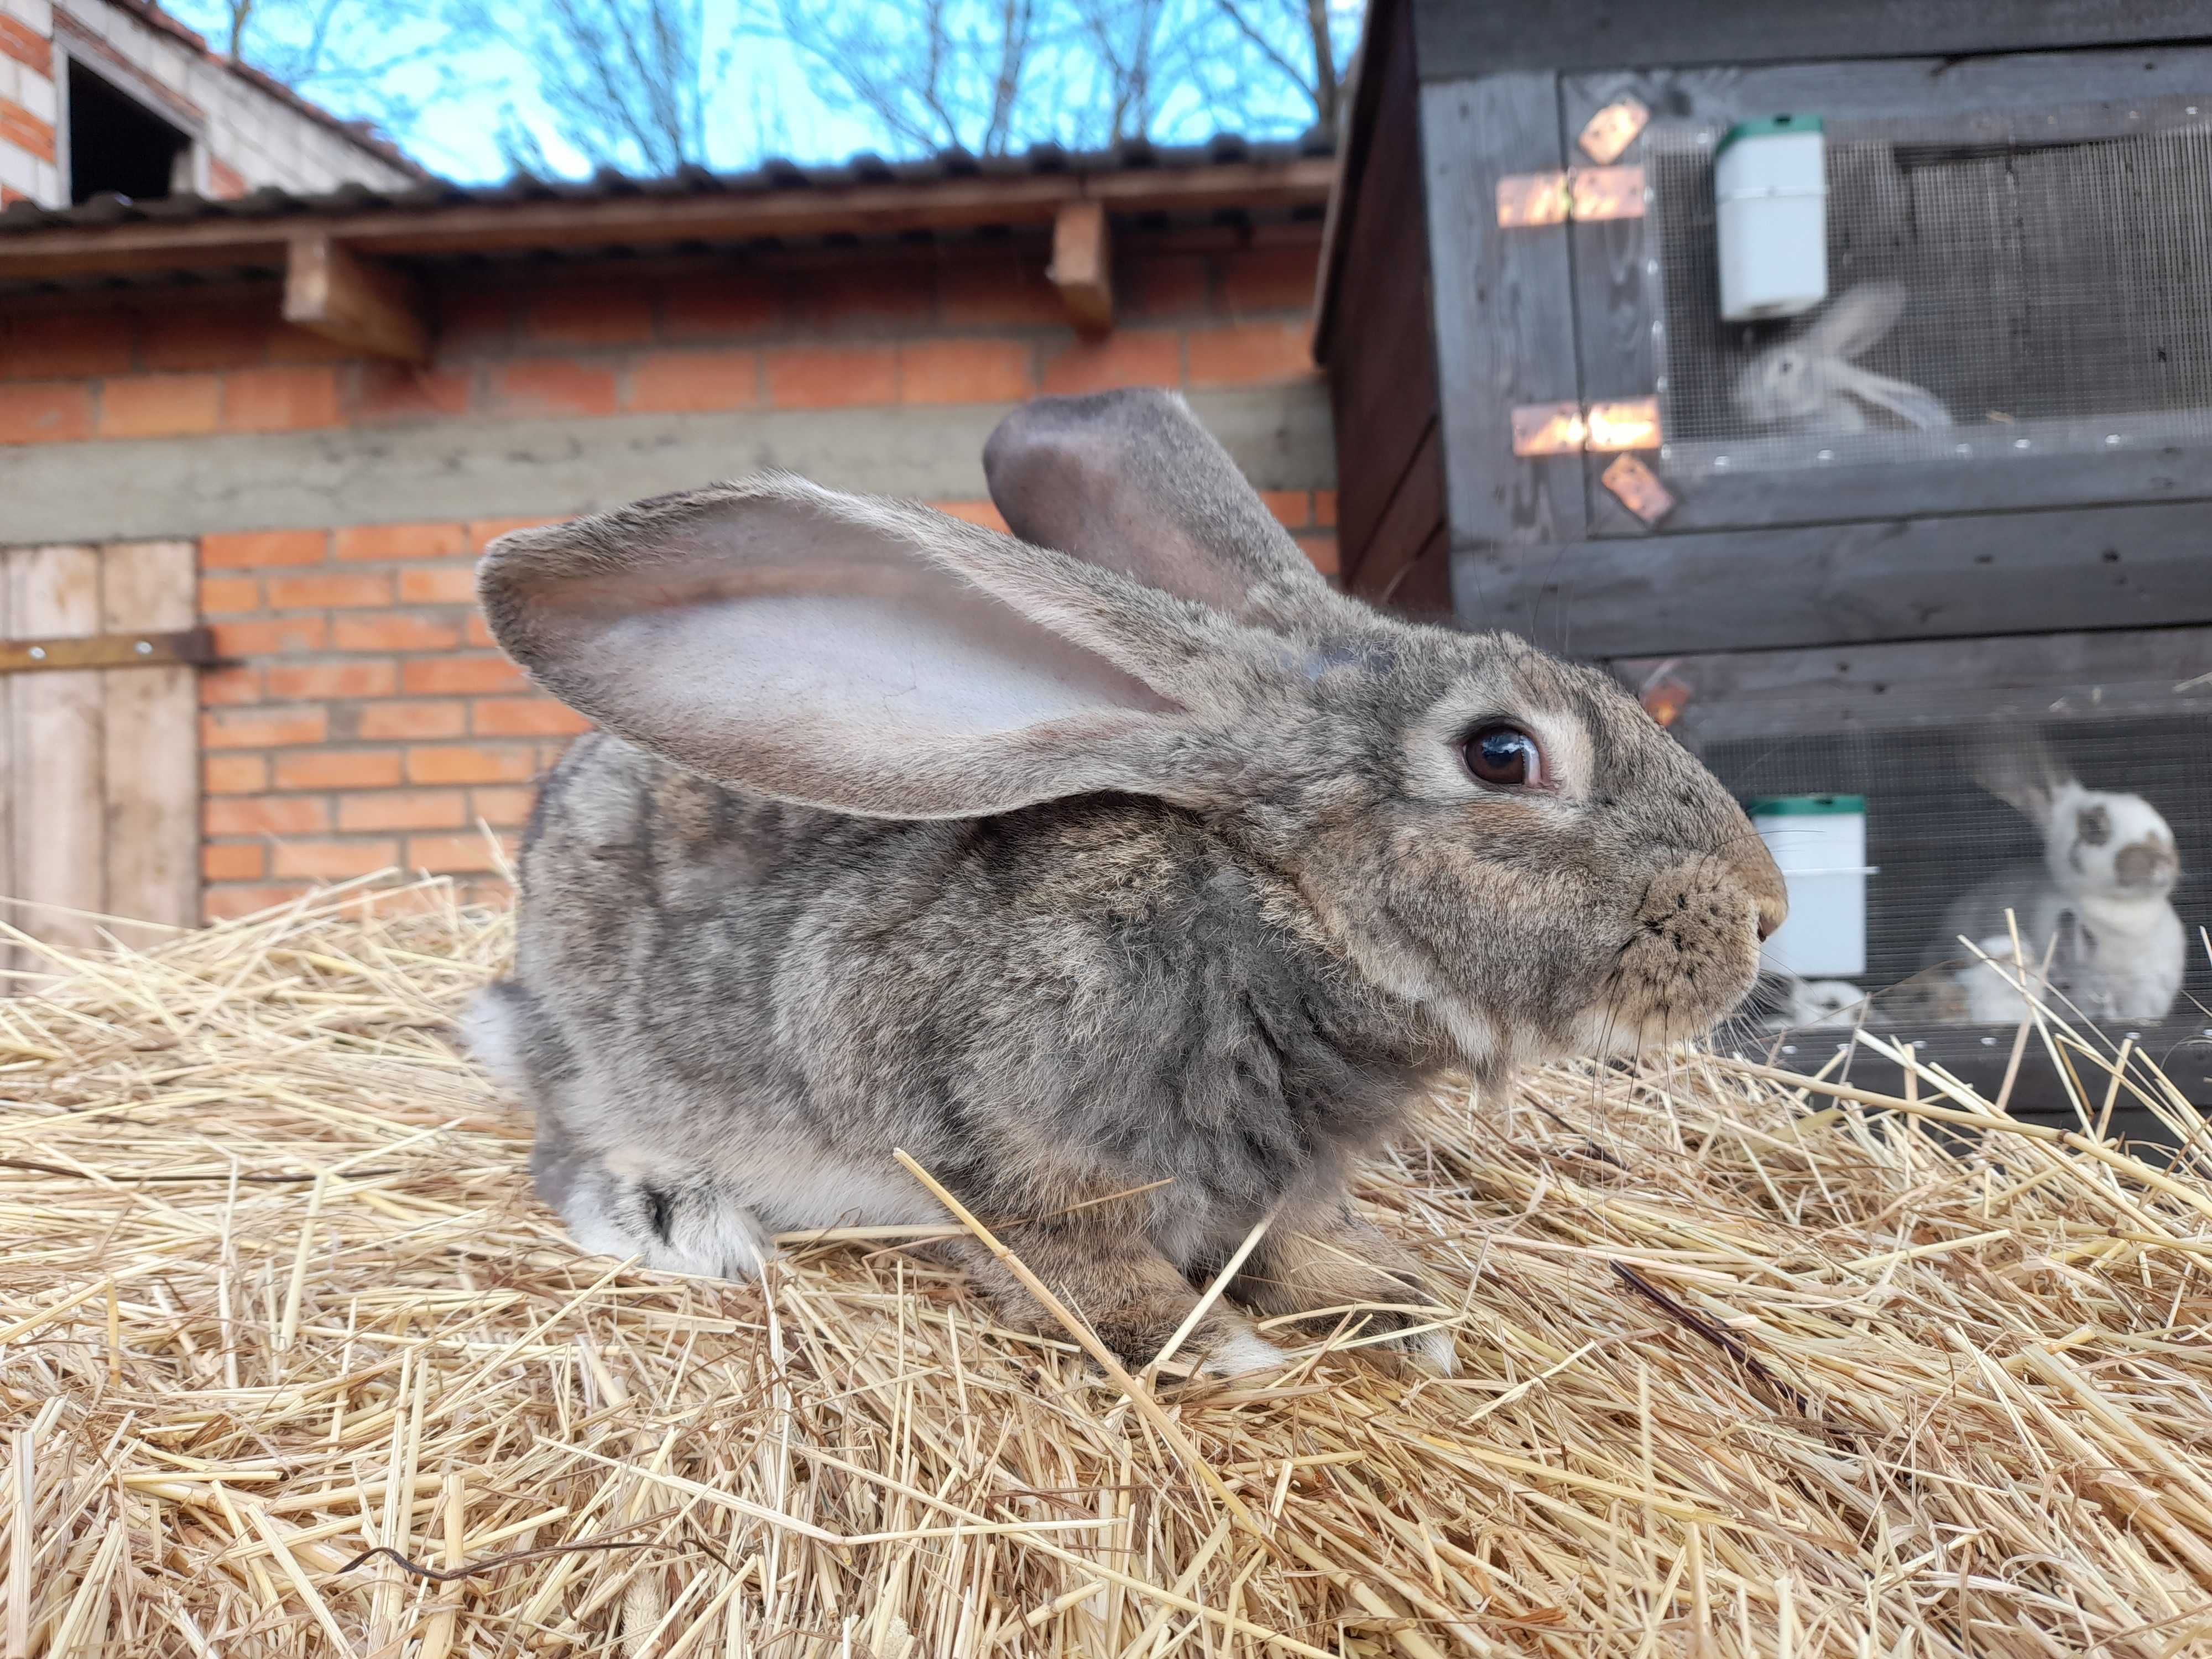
{"x": 1220, "y": 979}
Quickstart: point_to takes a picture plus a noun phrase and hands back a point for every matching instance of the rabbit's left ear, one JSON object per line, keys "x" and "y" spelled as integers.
{"x": 864, "y": 655}
{"x": 1130, "y": 480}
{"x": 1855, "y": 322}
{"x": 2021, "y": 771}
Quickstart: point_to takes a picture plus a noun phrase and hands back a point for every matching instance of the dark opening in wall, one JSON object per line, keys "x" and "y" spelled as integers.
{"x": 116, "y": 144}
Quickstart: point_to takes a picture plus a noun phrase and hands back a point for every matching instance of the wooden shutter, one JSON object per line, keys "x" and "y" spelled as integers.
{"x": 98, "y": 765}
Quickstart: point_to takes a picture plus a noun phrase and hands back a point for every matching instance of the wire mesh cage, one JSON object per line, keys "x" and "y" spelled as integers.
{"x": 2002, "y": 284}
{"x": 2077, "y": 855}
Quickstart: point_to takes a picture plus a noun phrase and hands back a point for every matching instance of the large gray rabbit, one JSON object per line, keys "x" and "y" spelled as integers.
{"x": 1136, "y": 889}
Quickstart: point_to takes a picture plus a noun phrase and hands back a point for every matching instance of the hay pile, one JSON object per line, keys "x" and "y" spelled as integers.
{"x": 1744, "y": 1370}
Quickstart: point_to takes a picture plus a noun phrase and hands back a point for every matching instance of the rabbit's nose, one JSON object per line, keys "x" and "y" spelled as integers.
{"x": 1762, "y": 878}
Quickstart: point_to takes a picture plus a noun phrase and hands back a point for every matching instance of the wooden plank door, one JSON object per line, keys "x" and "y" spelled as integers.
{"x": 98, "y": 766}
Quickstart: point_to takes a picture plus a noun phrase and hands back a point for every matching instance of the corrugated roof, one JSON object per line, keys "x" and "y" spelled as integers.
{"x": 431, "y": 194}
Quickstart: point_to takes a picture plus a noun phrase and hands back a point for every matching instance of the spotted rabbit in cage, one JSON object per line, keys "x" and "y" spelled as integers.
{"x": 1134, "y": 888}
{"x": 1808, "y": 382}
{"x": 2095, "y": 915}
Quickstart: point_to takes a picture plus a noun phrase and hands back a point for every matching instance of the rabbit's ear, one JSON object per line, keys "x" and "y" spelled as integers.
{"x": 864, "y": 655}
{"x": 1914, "y": 405}
{"x": 1130, "y": 480}
{"x": 1857, "y": 320}
{"x": 2020, "y": 770}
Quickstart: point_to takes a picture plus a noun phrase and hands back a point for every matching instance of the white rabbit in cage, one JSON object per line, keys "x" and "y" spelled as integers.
{"x": 1808, "y": 383}
{"x": 2096, "y": 916}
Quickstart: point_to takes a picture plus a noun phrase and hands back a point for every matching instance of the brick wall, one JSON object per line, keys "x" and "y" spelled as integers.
{"x": 27, "y": 103}
{"x": 364, "y": 718}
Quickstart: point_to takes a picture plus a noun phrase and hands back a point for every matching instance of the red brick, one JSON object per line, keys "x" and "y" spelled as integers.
{"x": 34, "y": 52}
{"x": 265, "y": 815}
{"x": 1163, "y": 285}
{"x": 1325, "y": 508}
{"x": 235, "y": 774}
{"x": 228, "y": 596}
{"x": 263, "y": 728}
{"x": 1268, "y": 279}
{"x": 1249, "y": 353}
{"x": 832, "y": 377}
{"x": 478, "y": 632}
{"x": 525, "y": 717}
{"x": 228, "y": 904}
{"x": 404, "y": 809}
{"x": 553, "y": 385}
{"x": 998, "y": 292}
{"x": 470, "y": 324}
{"x": 718, "y": 306}
{"x": 269, "y": 639}
{"x": 398, "y": 632}
{"x": 225, "y": 182}
{"x": 255, "y": 550}
{"x": 442, "y": 676}
{"x": 965, "y": 371}
{"x": 385, "y": 721}
{"x": 483, "y": 532}
{"x": 338, "y": 769}
{"x": 870, "y": 296}
{"x": 503, "y": 809}
{"x": 239, "y": 861}
{"x": 287, "y": 344}
{"x": 159, "y": 405}
{"x": 982, "y": 513}
{"x": 454, "y": 584}
{"x": 334, "y": 860}
{"x": 45, "y": 412}
{"x": 682, "y": 382}
{"x": 595, "y": 316}
{"x": 1320, "y": 548}
{"x": 305, "y": 681}
{"x": 452, "y": 855}
{"x": 327, "y": 589}
{"x": 229, "y": 687}
{"x": 1292, "y": 508}
{"x": 397, "y": 542}
{"x": 18, "y": 127}
{"x": 467, "y": 764}
{"x": 1126, "y": 357}
{"x": 280, "y": 399}
{"x": 66, "y": 345}
{"x": 201, "y": 336}
{"x": 407, "y": 391}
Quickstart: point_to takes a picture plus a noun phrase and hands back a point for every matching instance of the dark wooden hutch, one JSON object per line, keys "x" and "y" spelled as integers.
{"x": 1543, "y": 425}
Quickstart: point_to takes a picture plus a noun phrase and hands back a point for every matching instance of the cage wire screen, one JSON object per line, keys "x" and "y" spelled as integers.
{"x": 2056, "y": 274}
{"x": 1946, "y": 856}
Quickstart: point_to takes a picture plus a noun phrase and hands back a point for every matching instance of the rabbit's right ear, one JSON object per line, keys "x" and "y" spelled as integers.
{"x": 1857, "y": 320}
{"x": 864, "y": 655}
{"x": 1129, "y": 480}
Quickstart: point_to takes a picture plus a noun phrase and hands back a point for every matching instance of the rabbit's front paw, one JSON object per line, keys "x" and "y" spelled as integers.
{"x": 1345, "y": 1275}
{"x": 675, "y": 1226}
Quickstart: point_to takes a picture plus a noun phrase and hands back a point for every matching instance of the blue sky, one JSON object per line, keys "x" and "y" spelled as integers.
{"x": 446, "y": 96}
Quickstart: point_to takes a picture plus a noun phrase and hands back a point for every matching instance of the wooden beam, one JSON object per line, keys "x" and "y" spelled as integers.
{"x": 330, "y": 291}
{"x": 651, "y": 221}
{"x": 1083, "y": 265}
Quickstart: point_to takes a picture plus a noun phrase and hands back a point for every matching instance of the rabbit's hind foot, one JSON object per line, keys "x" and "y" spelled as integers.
{"x": 690, "y": 1225}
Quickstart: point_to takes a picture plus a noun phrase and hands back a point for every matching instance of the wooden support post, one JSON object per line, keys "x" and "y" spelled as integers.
{"x": 331, "y": 291}
{"x": 1083, "y": 265}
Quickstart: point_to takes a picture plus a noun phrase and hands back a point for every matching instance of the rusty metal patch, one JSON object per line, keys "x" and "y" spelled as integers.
{"x": 1525, "y": 199}
{"x": 1549, "y": 430}
{"x": 1532, "y": 198}
{"x": 1624, "y": 423}
{"x": 1638, "y": 489}
{"x": 1613, "y": 130}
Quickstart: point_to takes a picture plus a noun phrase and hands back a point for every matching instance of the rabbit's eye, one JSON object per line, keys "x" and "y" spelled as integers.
{"x": 1786, "y": 363}
{"x": 1505, "y": 757}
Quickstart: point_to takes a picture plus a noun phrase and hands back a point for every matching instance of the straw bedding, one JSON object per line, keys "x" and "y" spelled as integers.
{"x": 1746, "y": 1367}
